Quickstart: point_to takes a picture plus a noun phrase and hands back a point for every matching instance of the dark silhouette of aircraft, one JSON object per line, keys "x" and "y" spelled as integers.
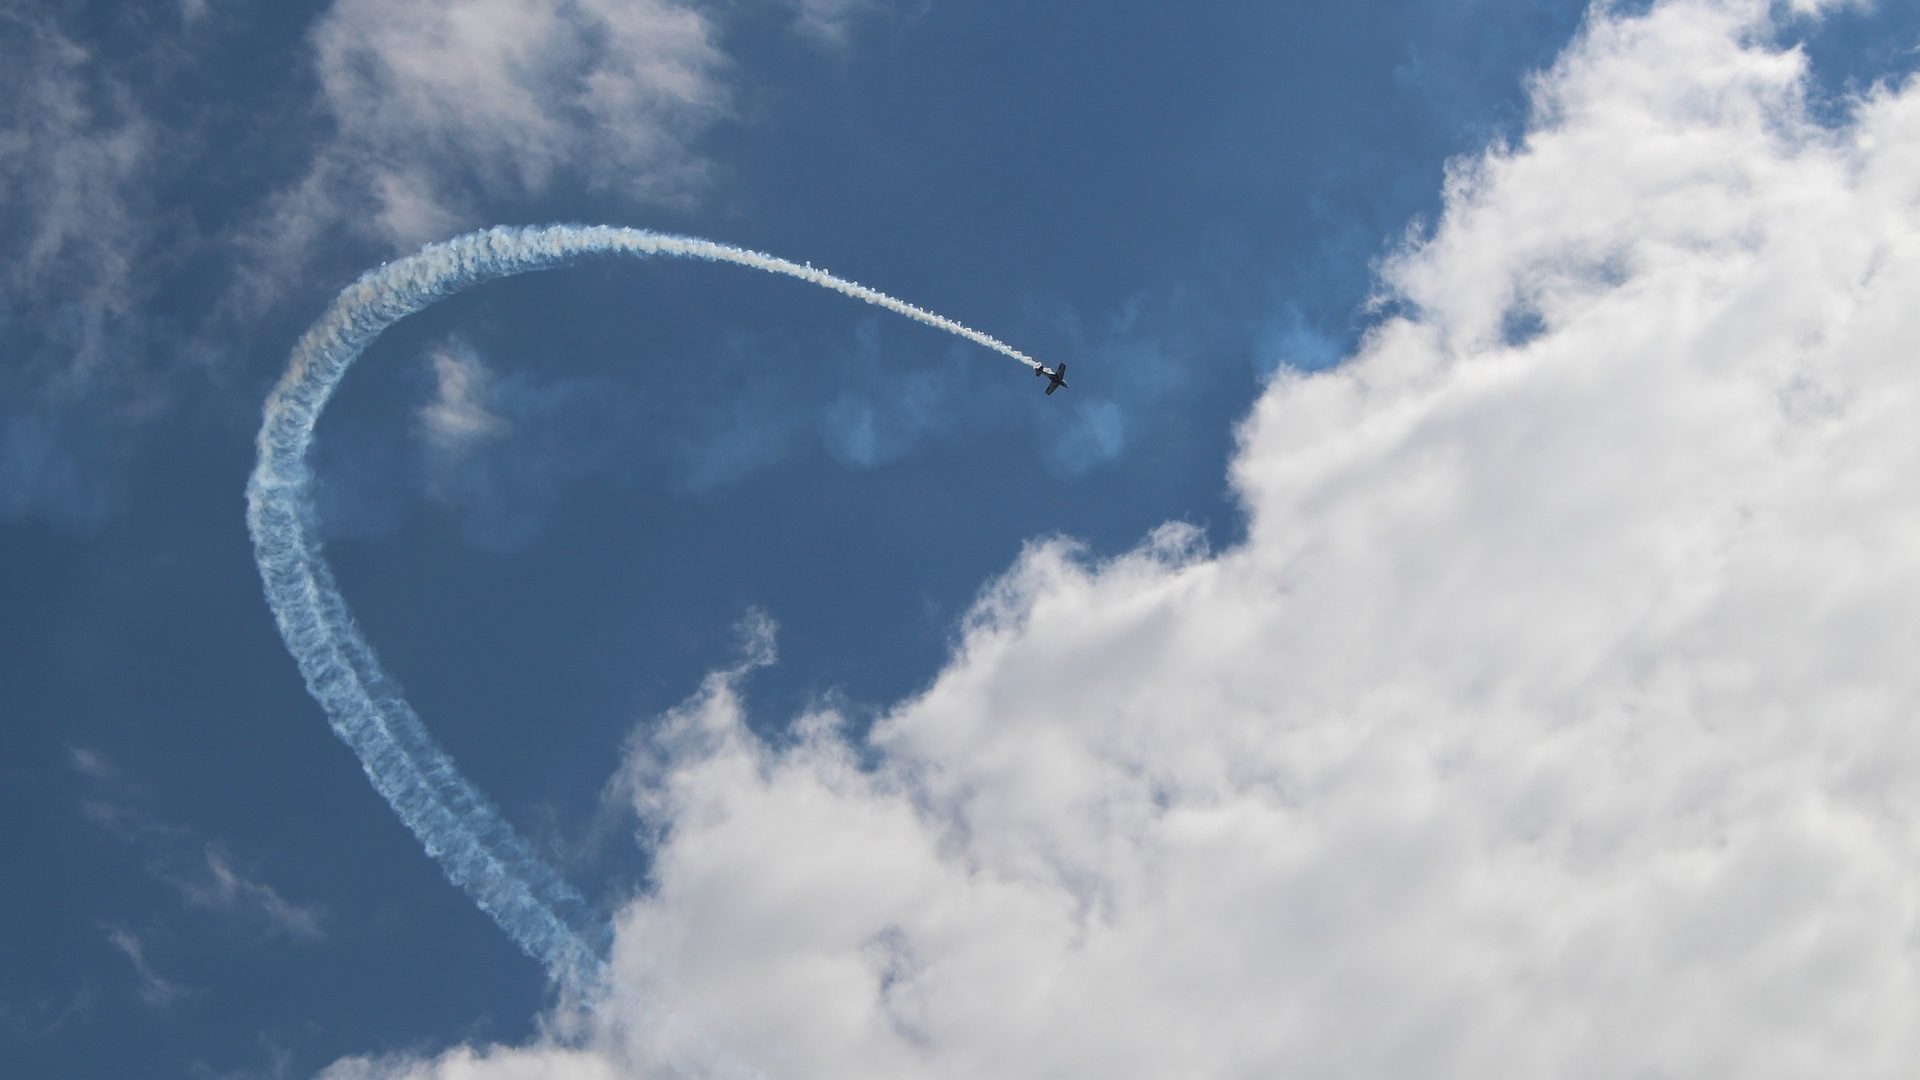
{"x": 1058, "y": 376}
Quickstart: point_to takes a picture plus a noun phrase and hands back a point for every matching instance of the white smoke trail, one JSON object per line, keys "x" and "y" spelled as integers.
{"x": 476, "y": 847}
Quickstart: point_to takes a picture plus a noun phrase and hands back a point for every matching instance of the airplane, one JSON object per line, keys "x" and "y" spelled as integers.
{"x": 1059, "y": 376}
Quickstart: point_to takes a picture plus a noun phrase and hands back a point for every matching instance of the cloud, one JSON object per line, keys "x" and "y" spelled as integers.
{"x": 203, "y": 874}
{"x": 1293, "y": 342}
{"x": 224, "y": 888}
{"x": 831, "y": 22}
{"x": 74, "y": 147}
{"x": 156, "y": 991}
{"x": 1095, "y": 435}
{"x": 457, "y": 418}
{"x": 873, "y": 403}
{"x": 884, "y": 405}
{"x": 518, "y": 1065}
{"x": 520, "y": 90}
{"x": 494, "y": 445}
{"x": 1133, "y": 369}
{"x": 44, "y": 1018}
{"x": 440, "y": 111}
{"x": 501, "y": 450}
{"x": 77, "y": 154}
{"x": 881, "y": 401}
{"x": 92, "y": 764}
{"x": 1554, "y": 717}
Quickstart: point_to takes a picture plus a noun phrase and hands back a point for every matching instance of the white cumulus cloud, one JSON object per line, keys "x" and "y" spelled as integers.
{"x": 1554, "y": 719}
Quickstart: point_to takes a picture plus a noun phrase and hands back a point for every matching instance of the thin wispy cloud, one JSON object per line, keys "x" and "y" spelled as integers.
{"x": 197, "y": 869}
{"x": 833, "y": 22}
{"x": 499, "y": 448}
{"x": 154, "y": 989}
{"x": 74, "y": 149}
{"x": 223, "y": 888}
{"x": 77, "y": 153}
{"x": 92, "y": 765}
{"x": 44, "y": 1018}
{"x": 459, "y": 414}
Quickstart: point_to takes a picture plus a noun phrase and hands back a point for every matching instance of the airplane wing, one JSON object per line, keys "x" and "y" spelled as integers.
{"x": 1052, "y": 388}
{"x": 1062, "y": 369}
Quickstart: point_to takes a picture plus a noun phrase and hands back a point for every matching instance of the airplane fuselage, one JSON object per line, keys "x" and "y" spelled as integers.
{"x": 1056, "y": 377}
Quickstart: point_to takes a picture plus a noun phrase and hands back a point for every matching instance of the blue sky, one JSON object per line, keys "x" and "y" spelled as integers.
{"x": 552, "y": 500}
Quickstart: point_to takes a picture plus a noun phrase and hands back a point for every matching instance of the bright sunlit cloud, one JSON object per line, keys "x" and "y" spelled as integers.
{"x": 1554, "y": 718}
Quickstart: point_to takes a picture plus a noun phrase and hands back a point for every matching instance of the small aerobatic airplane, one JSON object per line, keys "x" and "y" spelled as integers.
{"x": 1058, "y": 377}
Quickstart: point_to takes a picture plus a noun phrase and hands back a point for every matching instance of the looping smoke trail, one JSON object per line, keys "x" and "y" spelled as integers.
{"x": 476, "y": 847}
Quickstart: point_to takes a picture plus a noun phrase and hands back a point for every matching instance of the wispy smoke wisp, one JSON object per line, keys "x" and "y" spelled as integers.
{"x": 474, "y": 844}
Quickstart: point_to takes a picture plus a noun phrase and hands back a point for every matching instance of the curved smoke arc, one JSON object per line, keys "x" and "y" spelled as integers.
{"x": 458, "y": 826}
